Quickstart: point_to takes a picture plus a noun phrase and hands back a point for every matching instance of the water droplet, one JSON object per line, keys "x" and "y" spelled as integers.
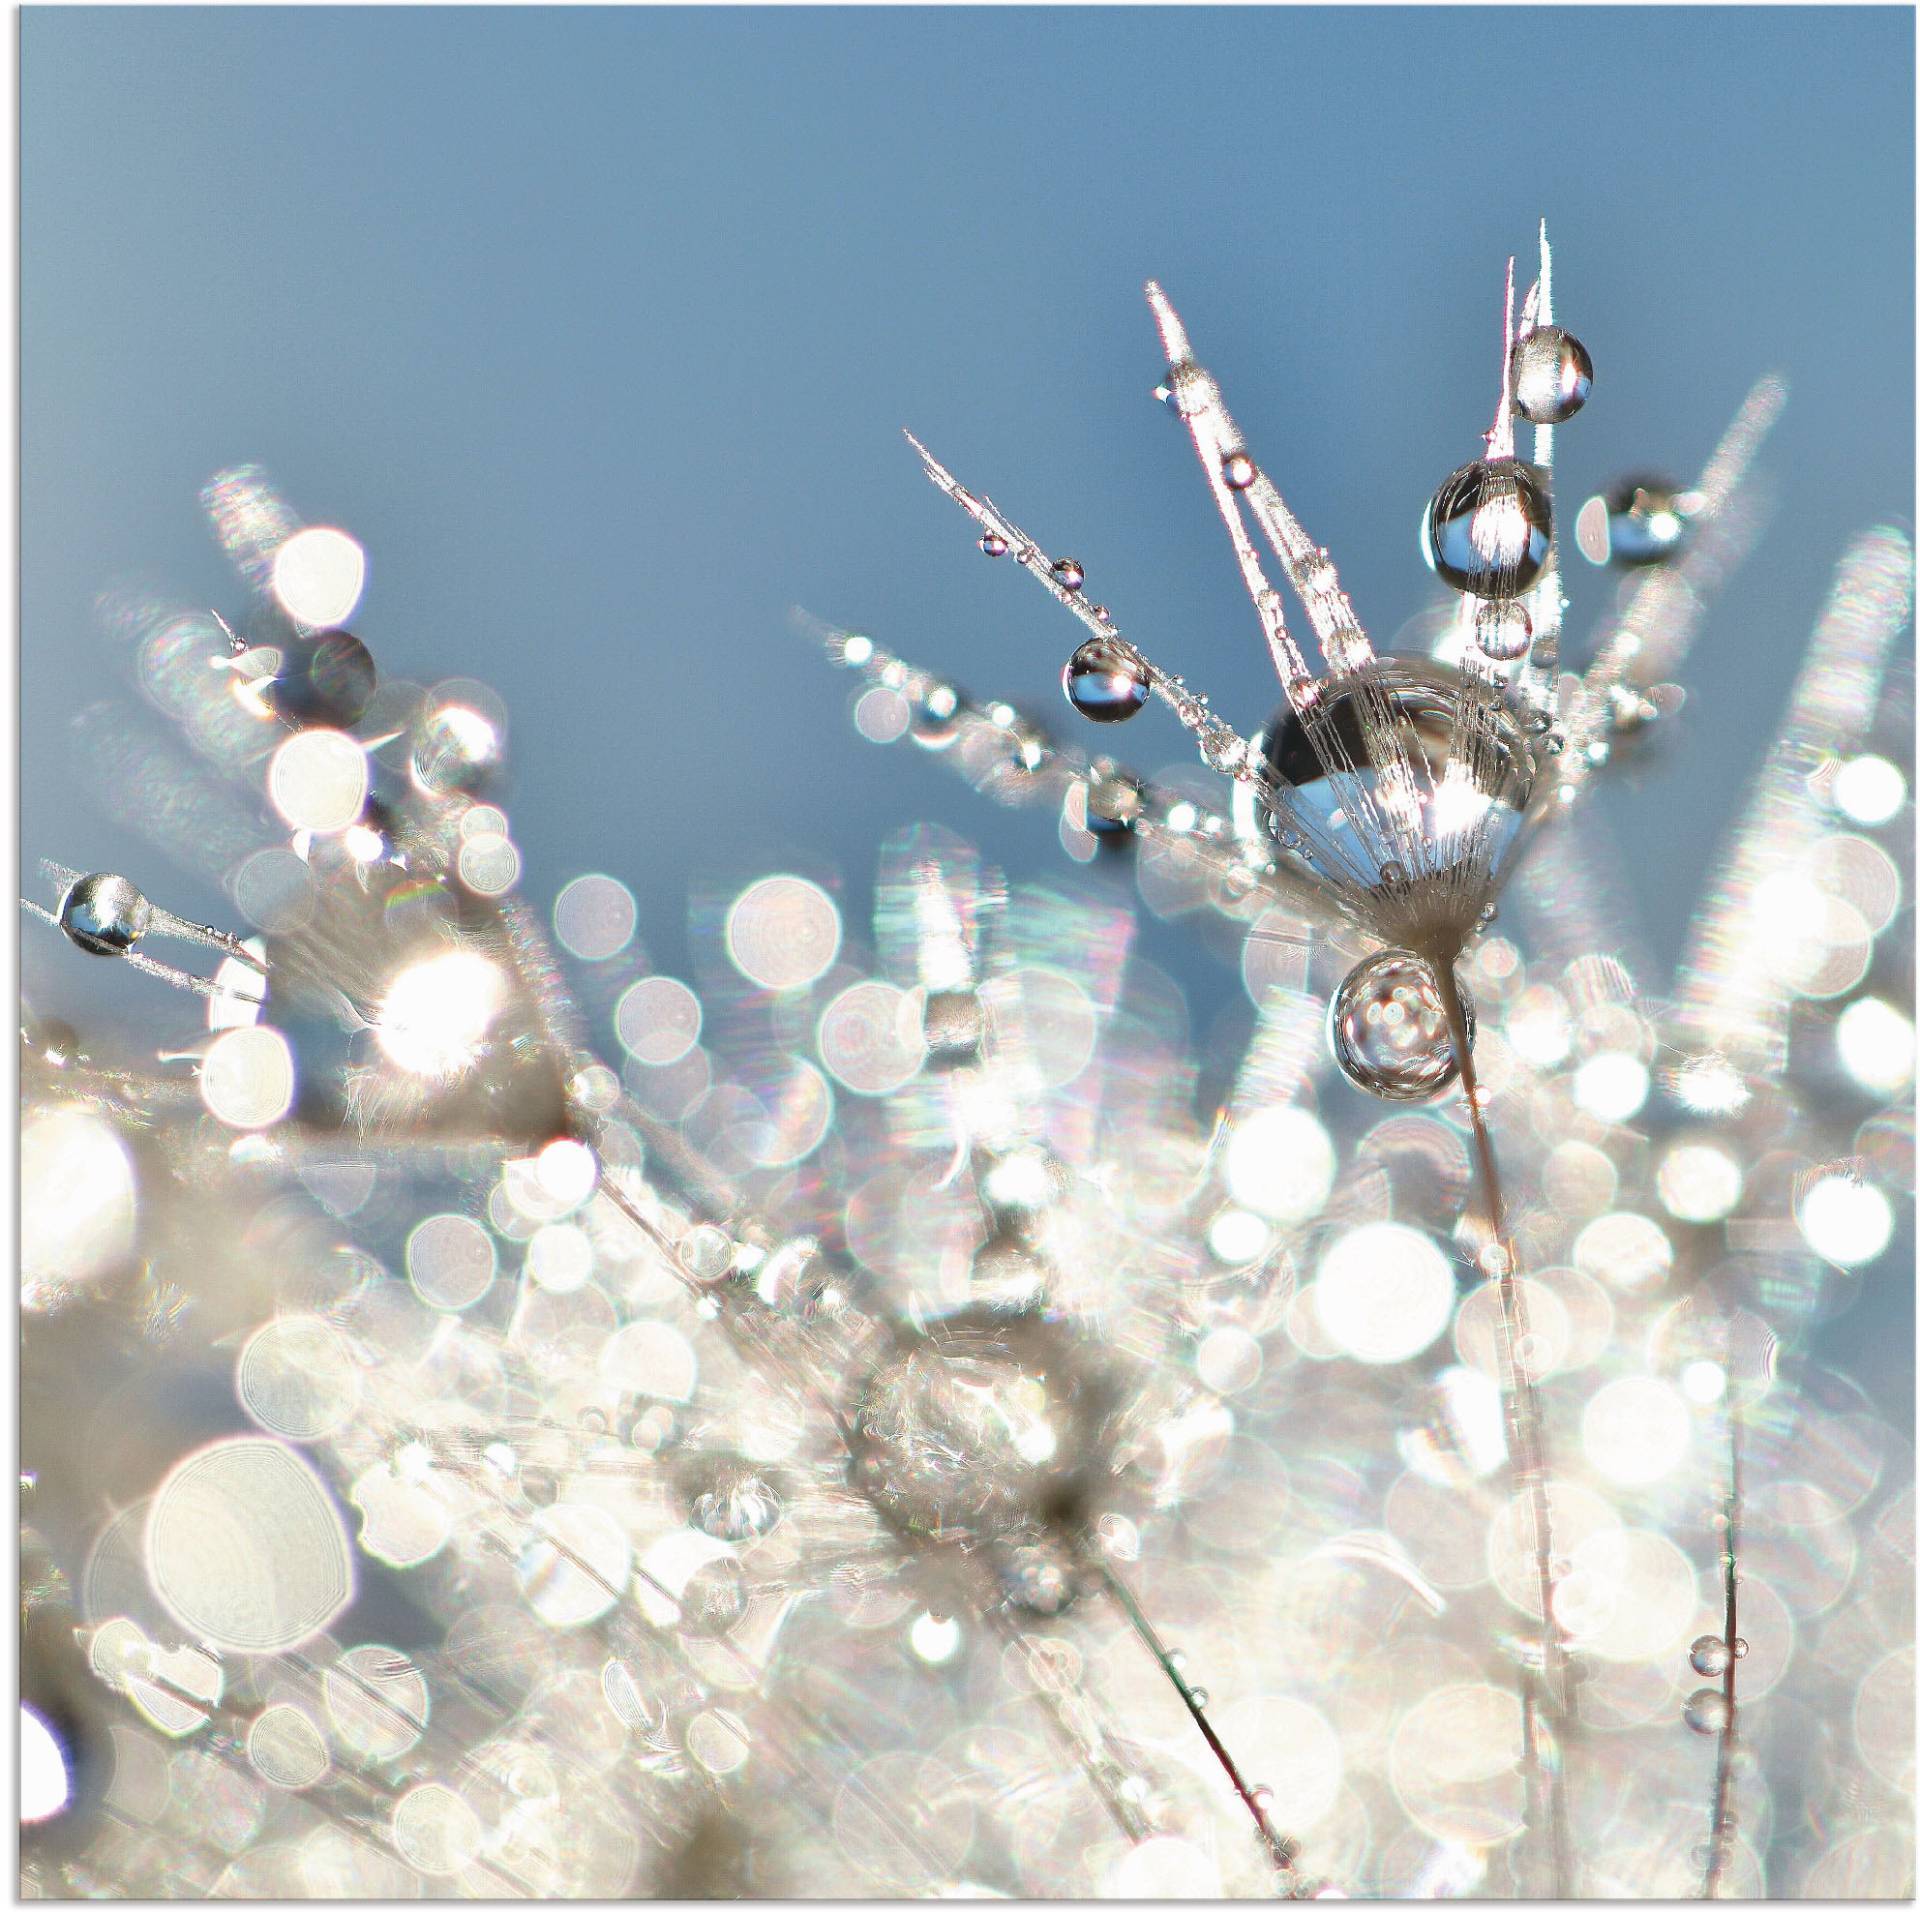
{"x": 933, "y": 721}
{"x": 1388, "y": 1028}
{"x": 952, "y": 1024}
{"x": 1486, "y": 530}
{"x": 1105, "y": 681}
{"x": 1318, "y": 577}
{"x": 1237, "y": 469}
{"x": 706, "y": 1252}
{"x": 1068, "y": 573}
{"x": 104, "y": 915}
{"x": 455, "y": 748}
{"x": 994, "y": 545}
{"x": 1177, "y": 1661}
{"x": 1199, "y": 1696}
{"x": 1708, "y": 1655}
{"x": 1739, "y": 1649}
{"x": 1552, "y": 375}
{"x": 1187, "y": 390}
{"x": 326, "y": 680}
{"x": 731, "y": 1499}
{"x": 1502, "y": 629}
{"x": 1645, "y": 523}
{"x": 1006, "y": 1273}
{"x": 1038, "y": 1580}
{"x": 1478, "y": 814}
{"x": 980, "y": 1427}
{"x": 1113, "y": 805}
{"x": 1707, "y": 1710}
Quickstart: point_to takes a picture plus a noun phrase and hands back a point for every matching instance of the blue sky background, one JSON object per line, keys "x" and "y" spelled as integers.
{"x": 599, "y": 328}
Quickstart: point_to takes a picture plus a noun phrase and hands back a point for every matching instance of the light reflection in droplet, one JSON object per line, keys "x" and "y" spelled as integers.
{"x": 436, "y": 1014}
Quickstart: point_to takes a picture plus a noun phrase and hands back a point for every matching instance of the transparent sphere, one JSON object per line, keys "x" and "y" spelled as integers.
{"x": 1104, "y": 681}
{"x": 1481, "y": 812}
{"x": 994, "y": 545}
{"x": 983, "y": 1426}
{"x": 1502, "y": 630}
{"x": 327, "y": 680}
{"x": 1237, "y": 469}
{"x": 732, "y": 1499}
{"x": 1069, "y": 573}
{"x": 1113, "y": 804}
{"x": 105, "y": 915}
{"x": 1552, "y": 376}
{"x": 1709, "y": 1655}
{"x": 1487, "y": 529}
{"x": 1389, "y": 1031}
{"x": 1645, "y": 524}
{"x": 1707, "y": 1710}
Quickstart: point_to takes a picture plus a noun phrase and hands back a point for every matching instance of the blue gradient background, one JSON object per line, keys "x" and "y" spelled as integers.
{"x": 599, "y": 328}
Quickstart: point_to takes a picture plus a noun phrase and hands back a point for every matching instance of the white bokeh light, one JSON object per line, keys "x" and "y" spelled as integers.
{"x": 1383, "y": 1292}
{"x": 318, "y": 575}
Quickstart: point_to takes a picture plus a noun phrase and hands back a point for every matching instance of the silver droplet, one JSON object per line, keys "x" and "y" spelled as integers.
{"x": 1707, "y": 1710}
{"x": 1068, "y": 573}
{"x": 1709, "y": 1655}
{"x": 1105, "y": 681}
{"x": 994, "y": 545}
{"x": 1237, "y": 470}
{"x": 104, "y": 915}
{"x": 1502, "y": 630}
{"x": 1487, "y": 529}
{"x": 1388, "y": 1028}
{"x": 1552, "y": 375}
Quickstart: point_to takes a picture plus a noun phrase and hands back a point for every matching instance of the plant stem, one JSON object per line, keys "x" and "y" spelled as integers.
{"x": 1526, "y": 1446}
{"x": 1720, "y": 1839}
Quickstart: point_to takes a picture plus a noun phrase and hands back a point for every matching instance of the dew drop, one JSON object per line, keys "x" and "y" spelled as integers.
{"x": 1199, "y": 1696}
{"x": 1707, "y": 1710}
{"x": 1552, "y": 376}
{"x": 327, "y": 680}
{"x": 1645, "y": 523}
{"x": 104, "y": 915}
{"x": 1113, "y": 805}
{"x": 1068, "y": 573}
{"x": 934, "y": 721}
{"x": 1709, "y": 1656}
{"x": 1388, "y": 1028}
{"x": 1237, "y": 469}
{"x": 1187, "y": 390}
{"x": 1487, "y": 529}
{"x": 1739, "y": 1649}
{"x": 1105, "y": 681}
{"x": 1502, "y": 629}
{"x": 994, "y": 545}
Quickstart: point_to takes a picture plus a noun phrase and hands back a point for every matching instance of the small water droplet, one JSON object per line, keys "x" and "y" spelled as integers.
{"x": 1237, "y": 469}
{"x": 1739, "y": 1649}
{"x": 1707, "y": 1710}
{"x": 1177, "y": 1661}
{"x": 1105, "y": 681}
{"x": 1552, "y": 375}
{"x": 1388, "y": 1028}
{"x": 104, "y": 915}
{"x": 1113, "y": 805}
{"x": 1502, "y": 629}
{"x": 1187, "y": 389}
{"x": 1068, "y": 573}
{"x": 1391, "y": 872}
{"x": 1318, "y": 577}
{"x": 994, "y": 545}
{"x": 1199, "y": 1696}
{"x": 1644, "y": 522}
{"x": 1487, "y": 529}
{"x": 1708, "y": 1655}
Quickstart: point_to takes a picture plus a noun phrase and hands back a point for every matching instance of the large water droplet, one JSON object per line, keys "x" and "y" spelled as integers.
{"x": 1644, "y": 522}
{"x": 1105, "y": 681}
{"x": 1486, "y": 530}
{"x": 979, "y": 1428}
{"x": 1068, "y": 573}
{"x": 105, "y": 915}
{"x": 732, "y": 1499}
{"x": 327, "y": 680}
{"x": 1709, "y": 1655}
{"x": 1388, "y": 1028}
{"x": 1707, "y": 1710}
{"x": 1552, "y": 376}
{"x": 1237, "y": 469}
{"x": 994, "y": 545}
{"x": 1113, "y": 804}
{"x": 1445, "y": 813}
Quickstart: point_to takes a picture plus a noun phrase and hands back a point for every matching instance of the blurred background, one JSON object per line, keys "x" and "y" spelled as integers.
{"x": 598, "y": 328}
